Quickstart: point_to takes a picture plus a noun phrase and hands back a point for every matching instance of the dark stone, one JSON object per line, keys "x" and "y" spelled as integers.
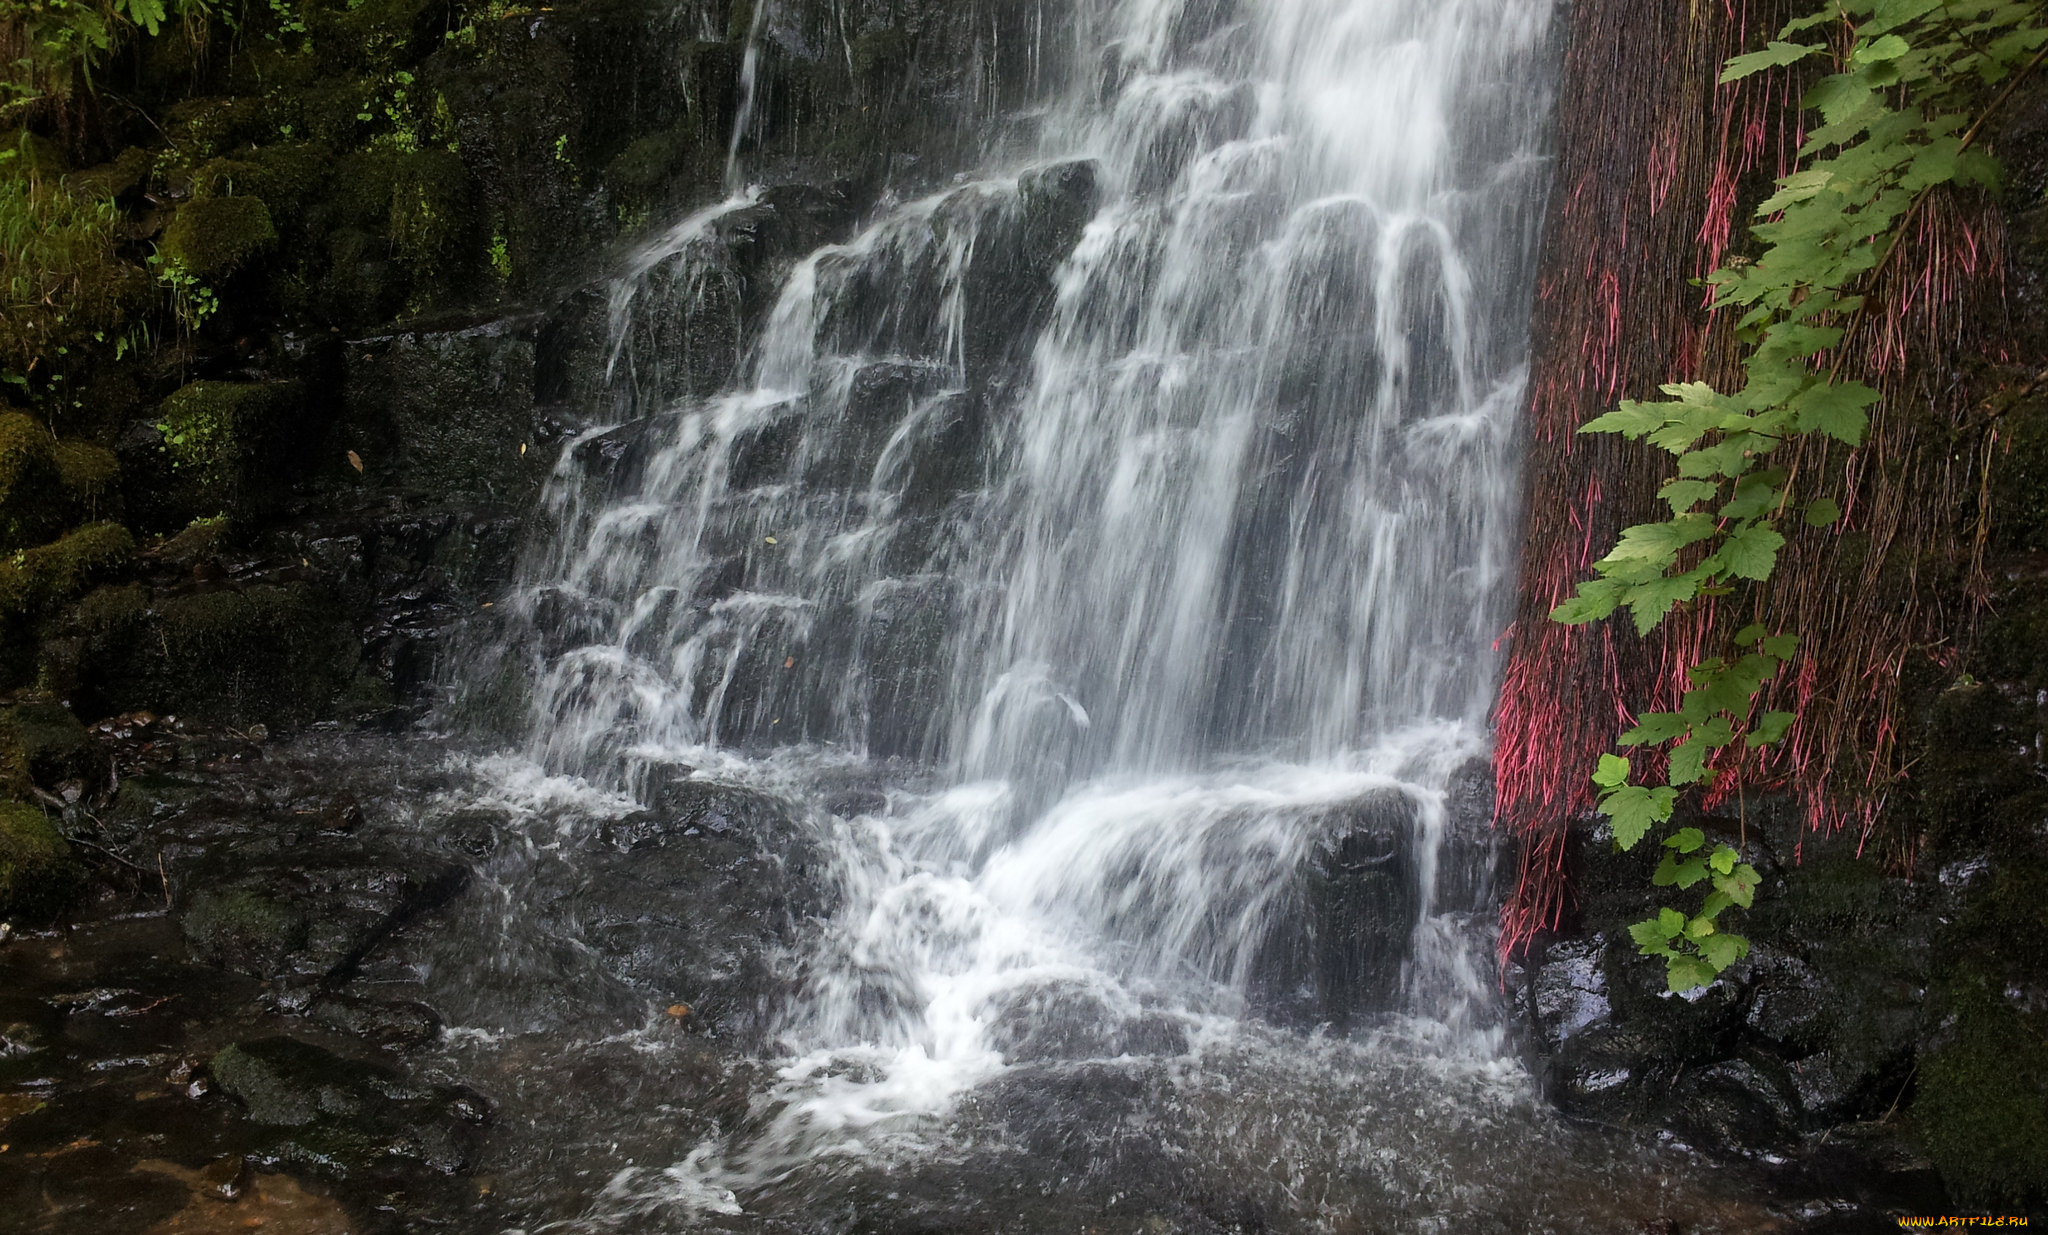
{"x": 398, "y": 1024}
{"x": 449, "y": 413}
{"x": 1334, "y": 951}
{"x": 53, "y": 747}
{"x": 339, "y": 1116}
{"x": 244, "y": 930}
{"x": 689, "y": 902}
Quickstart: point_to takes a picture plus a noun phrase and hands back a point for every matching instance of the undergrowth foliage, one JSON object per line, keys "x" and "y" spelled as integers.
{"x": 1914, "y": 83}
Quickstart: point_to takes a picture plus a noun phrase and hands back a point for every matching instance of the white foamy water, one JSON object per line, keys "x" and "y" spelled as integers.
{"x": 1143, "y": 512}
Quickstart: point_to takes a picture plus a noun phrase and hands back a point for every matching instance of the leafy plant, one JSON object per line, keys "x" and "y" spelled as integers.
{"x": 1896, "y": 122}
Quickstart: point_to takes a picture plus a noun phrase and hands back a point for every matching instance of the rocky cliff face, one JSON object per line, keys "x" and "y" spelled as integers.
{"x": 315, "y": 337}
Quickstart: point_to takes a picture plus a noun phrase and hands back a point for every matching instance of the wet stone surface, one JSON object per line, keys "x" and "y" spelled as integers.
{"x": 376, "y": 985}
{"x": 243, "y": 1025}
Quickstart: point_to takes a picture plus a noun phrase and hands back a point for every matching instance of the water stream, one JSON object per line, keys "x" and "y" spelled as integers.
{"x": 1133, "y": 523}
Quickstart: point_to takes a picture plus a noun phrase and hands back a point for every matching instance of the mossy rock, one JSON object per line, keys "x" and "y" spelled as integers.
{"x": 265, "y": 654}
{"x": 90, "y": 476}
{"x": 217, "y": 435}
{"x": 433, "y": 223}
{"x": 51, "y": 745}
{"x": 244, "y": 930}
{"x": 38, "y": 878}
{"x": 287, "y": 177}
{"x": 124, "y": 173}
{"x": 213, "y": 237}
{"x": 30, "y": 488}
{"x": 1982, "y": 1106}
{"x": 33, "y": 580}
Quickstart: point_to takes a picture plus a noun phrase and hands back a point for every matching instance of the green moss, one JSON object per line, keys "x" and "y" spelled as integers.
{"x": 52, "y": 745}
{"x": 38, "y": 878}
{"x": 1982, "y": 1104}
{"x": 213, "y": 237}
{"x": 244, "y": 930}
{"x": 287, "y": 178}
{"x": 207, "y": 127}
{"x": 645, "y": 166}
{"x": 274, "y": 655}
{"x": 33, "y": 580}
{"x": 125, "y": 173}
{"x": 432, "y": 223}
{"x": 29, "y": 482}
{"x": 90, "y": 476}
{"x": 213, "y": 433}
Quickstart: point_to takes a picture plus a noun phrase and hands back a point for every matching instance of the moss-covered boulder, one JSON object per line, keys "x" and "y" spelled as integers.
{"x": 244, "y": 930}
{"x": 50, "y": 746}
{"x": 1982, "y": 1105}
{"x": 33, "y": 580}
{"x": 89, "y": 475}
{"x": 270, "y": 654}
{"x": 219, "y": 439}
{"x": 38, "y": 878}
{"x": 213, "y": 237}
{"x": 30, "y": 509}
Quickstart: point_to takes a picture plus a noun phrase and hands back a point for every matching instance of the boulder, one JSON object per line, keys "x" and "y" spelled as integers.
{"x": 38, "y": 877}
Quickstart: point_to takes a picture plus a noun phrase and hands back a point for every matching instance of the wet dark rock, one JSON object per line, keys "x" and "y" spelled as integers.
{"x": 399, "y": 1024}
{"x": 1335, "y": 950}
{"x": 447, "y": 412}
{"x": 692, "y": 900}
{"x": 44, "y": 745}
{"x": 337, "y": 1115}
{"x": 244, "y": 930}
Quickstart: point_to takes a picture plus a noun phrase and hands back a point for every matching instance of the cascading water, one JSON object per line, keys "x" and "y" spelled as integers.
{"x": 1138, "y": 515}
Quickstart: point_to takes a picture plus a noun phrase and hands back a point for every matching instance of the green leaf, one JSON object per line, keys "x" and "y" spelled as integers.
{"x": 1835, "y": 409}
{"x": 1796, "y": 187}
{"x": 1751, "y": 633}
{"x": 1739, "y": 888}
{"x": 1890, "y": 47}
{"x": 1635, "y": 809}
{"x": 1781, "y": 647}
{"x": 1612, "y": 772}
{"x": 1689, "y": 762}
{"x": 1597, "y": 599}
{"x": 1684, "y": 874}
{"x": 1683, "y": 495}
{"x": 1651, "y": 938}
{"x": 1751, "y": 552}
{"x": 1721, "y": 951}
{"x": 1659, "y": 543}
{"x": 1670, "y": 922}
{"x": 1755, "y": 494}
{"x": 1820, "y": 512}
{"x": 1770, "y": 729}
{"x": 1649, "y": 601}
{"x": 1775, "y": 55}
{"x": 1631, "y": 419}
{"x": 1654, "y": 727}
{"x": 1685, "y": 973}
{"x": 1699, "y": 928}
{"x": 1722, "y": 861}
{"x": 1685, "y": 840}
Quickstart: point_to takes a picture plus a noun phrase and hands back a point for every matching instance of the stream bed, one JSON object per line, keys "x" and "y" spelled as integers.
{"x": 406, "y": 988}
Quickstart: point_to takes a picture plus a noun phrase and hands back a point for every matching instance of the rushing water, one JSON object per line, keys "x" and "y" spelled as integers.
{"x": 1139, "y": 516}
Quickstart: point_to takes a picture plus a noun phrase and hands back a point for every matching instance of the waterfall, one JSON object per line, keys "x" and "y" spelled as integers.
{"x": 1138, "y": 515}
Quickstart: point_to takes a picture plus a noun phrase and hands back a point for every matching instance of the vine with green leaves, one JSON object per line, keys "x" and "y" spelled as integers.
{"x": 1915, "y": 83}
